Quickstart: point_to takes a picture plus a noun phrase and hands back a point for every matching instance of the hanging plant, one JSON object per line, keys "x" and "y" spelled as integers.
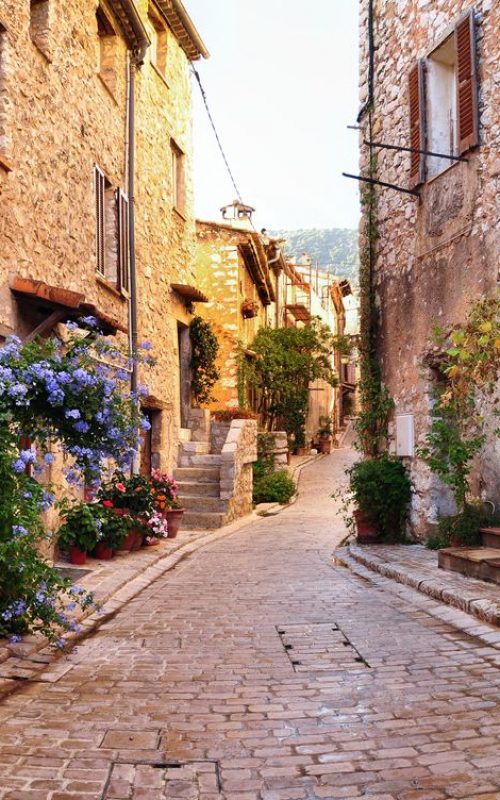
{"x": 204, "y": 350}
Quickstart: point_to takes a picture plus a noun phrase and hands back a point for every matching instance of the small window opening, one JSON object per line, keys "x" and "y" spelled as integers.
{"x": 178, "y": 178}
{"x": 159, "y": 41}
{"x": 40, "y": 24}
{"x": 108, "y": 51}
{"x": 441, "y": 106}
{"x": 107, "y": 240}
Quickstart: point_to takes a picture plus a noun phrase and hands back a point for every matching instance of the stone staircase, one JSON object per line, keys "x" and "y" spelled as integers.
{"x": 475, "y": 562}
{"x": 198, "y": 476}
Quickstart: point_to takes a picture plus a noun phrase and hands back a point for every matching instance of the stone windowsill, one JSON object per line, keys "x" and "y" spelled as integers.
{"x": 102, "y": 281}
{"x": 179, "y": 213}
{"x": 43, "y": 52}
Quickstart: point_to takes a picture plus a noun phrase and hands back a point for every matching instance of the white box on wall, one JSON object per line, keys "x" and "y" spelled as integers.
{"x": 405, "y": 435}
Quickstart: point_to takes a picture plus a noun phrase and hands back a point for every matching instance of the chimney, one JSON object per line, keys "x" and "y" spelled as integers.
{"x": 238, "y": 215}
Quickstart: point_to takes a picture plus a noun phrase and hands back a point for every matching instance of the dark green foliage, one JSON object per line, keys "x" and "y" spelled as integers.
{"x": 381, "y": 488}
{"x": 275, "y": 487}
{"x": 86, "y": 524}
{"x": 289, "y": 359}
{"x": 204, "y": 350}
{"x": 464, "y": 527}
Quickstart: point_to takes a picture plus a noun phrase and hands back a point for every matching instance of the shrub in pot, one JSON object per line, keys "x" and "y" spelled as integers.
{"x": 273, "y": 487}
{"x": 79, "y": 533}
{"x": 380, "y": 489}
{"x": 325, "y": 433}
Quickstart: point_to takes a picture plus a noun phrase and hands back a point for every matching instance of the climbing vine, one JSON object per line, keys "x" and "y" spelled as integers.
{"x": 466, "y": 362}
{"x": 376, "y": 404}
{"x": 204, "y": 351}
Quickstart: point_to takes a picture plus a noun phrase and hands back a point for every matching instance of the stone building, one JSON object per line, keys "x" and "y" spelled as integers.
{"x": 95, "y": 113}
{"x": 235, "y": 269}
{"x": 430, "y": 82}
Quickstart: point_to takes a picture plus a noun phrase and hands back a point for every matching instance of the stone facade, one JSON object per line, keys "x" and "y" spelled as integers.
{"x": 63, "y": 110}
{"x": 436, "y": 253}
{"x": 236, "y": 474}
{"x": 233, "y": 271}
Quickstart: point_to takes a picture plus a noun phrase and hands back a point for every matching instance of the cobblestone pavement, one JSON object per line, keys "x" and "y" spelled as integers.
{"x": 257, "y": 671}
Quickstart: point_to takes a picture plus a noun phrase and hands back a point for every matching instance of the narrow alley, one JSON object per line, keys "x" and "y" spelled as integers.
{"x": 256, "y": 670}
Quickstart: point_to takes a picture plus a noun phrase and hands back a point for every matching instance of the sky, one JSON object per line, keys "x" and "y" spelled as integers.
{"x": 282, "y": 86}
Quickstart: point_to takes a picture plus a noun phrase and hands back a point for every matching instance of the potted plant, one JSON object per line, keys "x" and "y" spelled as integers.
{"x": 164, "y": 492}
{"x": 79, "y": 533}
{"x": 380, "y": 490}
{"x": 325, "y": 433}
{"x": 129, "y": 497}
{"x": 249, "y": 308}
{"x": 113, "y": 531}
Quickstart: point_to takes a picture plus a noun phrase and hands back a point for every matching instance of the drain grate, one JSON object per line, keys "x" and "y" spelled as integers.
{"x": 318, "y": 647}
{"x": 163, "y": 780}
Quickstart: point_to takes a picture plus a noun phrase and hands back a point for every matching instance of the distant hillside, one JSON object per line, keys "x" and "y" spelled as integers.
{"x": 334, "y": 249}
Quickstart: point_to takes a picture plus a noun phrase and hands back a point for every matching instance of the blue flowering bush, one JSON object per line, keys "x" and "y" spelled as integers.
{"x": 73, "y": 393}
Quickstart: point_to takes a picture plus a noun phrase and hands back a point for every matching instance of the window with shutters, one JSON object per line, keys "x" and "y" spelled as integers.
{"x": 108, "y": 51}
{"x": 178, "y": 178}
{"x": 123, "y": 242}
{"x": 108, "y": 235}
{"x": 40, "y": 25}
{"x": 443, "y": 102}
{"x": 159, "y": 40}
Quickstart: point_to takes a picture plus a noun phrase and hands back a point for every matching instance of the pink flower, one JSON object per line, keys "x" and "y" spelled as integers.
{"x": 120, "y": 487}
{"x": 107, "y": 503}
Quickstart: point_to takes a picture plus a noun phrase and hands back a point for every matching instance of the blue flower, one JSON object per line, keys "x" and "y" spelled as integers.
{"x": 27, "y": 457}
{"x": 15, "y": 638}
{"x": 18, "y": 391}
{"x": 49, "y": 458}
{"x": 81, "y": 426}
{"x": 72, "y": 326}
{"x": 18, "y": 466}
{"x": 90, "y": 320}
{"x": 146, "y": 346}
{"x": 72, "y": 413}
{"x": 19, "y": 530}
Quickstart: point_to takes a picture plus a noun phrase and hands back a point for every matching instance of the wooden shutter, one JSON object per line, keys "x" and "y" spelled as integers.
{"x": 417, "y": 123}
{"x": 123, "y": 241}
{"x": 100, "y": 186}
{"x": 467, "y": 108}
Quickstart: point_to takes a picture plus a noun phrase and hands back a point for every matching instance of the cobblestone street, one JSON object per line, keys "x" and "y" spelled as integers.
{"x": 255, "y": 670}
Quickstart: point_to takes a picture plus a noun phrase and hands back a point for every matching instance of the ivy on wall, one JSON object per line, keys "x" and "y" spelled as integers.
{"x": 204, "y": 351}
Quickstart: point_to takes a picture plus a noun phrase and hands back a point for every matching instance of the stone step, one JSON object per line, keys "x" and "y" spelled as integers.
{"x": 196, "y": 520}
{"x": 197, "y": 488}
{"x": 475, "y": 562}
{"x": 209, "y": 460}
{"x": 194, "y": 448}
{"x": 203, "y": 503}
{"x": 490, "y": 537}
{"x": 201, "y": 474}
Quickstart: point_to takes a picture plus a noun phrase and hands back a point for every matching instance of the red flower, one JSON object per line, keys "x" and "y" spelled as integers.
{"x": 107, "y": 503}
{"x": 120, "y": 487}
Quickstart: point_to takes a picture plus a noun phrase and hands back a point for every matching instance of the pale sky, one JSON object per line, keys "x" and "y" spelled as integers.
{"x": 282, "y": 84}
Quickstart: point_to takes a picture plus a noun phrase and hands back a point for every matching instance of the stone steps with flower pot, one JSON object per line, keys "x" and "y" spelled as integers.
{"x": 198, "y": 479}
{"x": 475, "y": 562}
{"x": 198, "y": 488}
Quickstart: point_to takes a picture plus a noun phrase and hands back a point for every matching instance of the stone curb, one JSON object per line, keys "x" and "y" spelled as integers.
{"x": 273, "y": 509}
{"x": 357, "y": 558}
{"x": 30, "y": 659}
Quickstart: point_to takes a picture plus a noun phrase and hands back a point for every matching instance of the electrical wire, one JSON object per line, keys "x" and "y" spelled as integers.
{"x": 224, "y": 157}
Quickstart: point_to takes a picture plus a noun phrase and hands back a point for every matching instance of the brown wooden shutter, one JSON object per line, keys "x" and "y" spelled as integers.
{"x": 467, "y": 109}
{"x": 99, "y": 181}
{"x": 417, "y": 123}
{"x": 123, "y": 241}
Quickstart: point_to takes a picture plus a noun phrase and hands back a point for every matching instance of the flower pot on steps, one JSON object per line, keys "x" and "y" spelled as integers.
{"x": 367, "y": 531}
{"x": 174, "y": 519}
{"x": 77, "y": 556}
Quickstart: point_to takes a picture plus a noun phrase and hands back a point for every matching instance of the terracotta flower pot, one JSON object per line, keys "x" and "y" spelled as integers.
{"x": 103, "y": 552}
{"x": 77, "y": 556}
{"x": 127, "y": 543}
{"x": 367, "y": 531}
{"x": 174, "y": 518}
{"x": 137, "y": 540}
{"x": 325, "y": 445}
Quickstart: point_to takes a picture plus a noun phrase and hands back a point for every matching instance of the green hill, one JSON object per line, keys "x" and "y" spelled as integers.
{"x": 334, "y": 249}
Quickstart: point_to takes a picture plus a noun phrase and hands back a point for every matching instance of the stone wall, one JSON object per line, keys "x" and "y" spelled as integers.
{"x": 224, "y": 278}
{"x": 58, "y": 118}
{"x": 438, "y": 254}
{"x": 236, "y": 476}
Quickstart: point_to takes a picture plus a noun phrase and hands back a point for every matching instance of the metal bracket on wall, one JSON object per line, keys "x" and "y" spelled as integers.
{"x": 373, "y": 181}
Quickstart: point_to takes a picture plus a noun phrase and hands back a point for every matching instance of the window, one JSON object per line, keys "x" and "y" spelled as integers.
{"x": 39, "y": 25}
{"x": 443, "y": 102}
{"x": 159, "y": 41}
{"x": 112, "y": 232}
{"x": 178, "y": 179}
{"x": 108, "y": 51}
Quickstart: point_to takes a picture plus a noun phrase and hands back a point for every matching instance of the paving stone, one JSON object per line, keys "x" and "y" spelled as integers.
{"x": 194, "y": 669}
